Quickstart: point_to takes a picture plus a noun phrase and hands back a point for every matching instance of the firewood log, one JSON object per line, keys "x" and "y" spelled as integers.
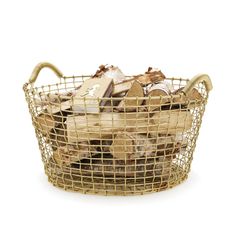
{"x": 58, "y": 136}
{"x": 104, "y": 125}
{"x": 171, "y": 121}
{"x": 110, "y": 105}
{"x": 191, "y": 100}
{"x": 137, "y": 169}
{"x": 60, "y": 117}
{"x": 44, "y": 122}
{"x": 92, "y": 90}
{"x": 58, "y": 97}
{"x": 151, "y": 76}
{"x": 156, "y": 94}
{"x": 110, "y": 72}
{"x": 68, "y": 154}
{"x": 123, "y": 146}
{"x": 127, "y": 105}
{"x": 59, "y": 107}
{"x": 47, "y": 99}
{"x": 102, "y": 146}
{"x": 122, "y": 87}
{"x": 127, "y": 145}
{"x": 109, "y": 167}
{"x": 123, "y": 84}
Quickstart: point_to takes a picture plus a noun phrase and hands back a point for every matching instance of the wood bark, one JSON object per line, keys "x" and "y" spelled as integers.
{"x": 157, "y": 95}
{"x": 151, "y": 76}
{"x": 192, "y": 100}
{"x": 171, "y": 121}
{"x": 127, "y": 145}
{"x": 69, "y": 154}
{"x": 59, "y": 107}
{"x": 104, "y": 125}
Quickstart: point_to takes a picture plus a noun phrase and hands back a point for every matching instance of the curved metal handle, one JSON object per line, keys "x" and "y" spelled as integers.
{"x": 197, "y": 79}
{"x": 42, "y": 65}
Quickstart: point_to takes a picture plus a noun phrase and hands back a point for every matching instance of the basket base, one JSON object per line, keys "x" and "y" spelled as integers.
{"x": 117, "y": 186}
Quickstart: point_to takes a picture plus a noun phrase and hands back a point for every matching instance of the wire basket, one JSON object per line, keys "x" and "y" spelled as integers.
{"x": 116, "y": 153}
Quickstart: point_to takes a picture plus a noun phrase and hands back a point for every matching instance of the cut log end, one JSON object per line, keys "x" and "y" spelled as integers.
{"x": 155, "y": 99}
{"x": 194, "y": 96}
{"x": 136, "y": 90}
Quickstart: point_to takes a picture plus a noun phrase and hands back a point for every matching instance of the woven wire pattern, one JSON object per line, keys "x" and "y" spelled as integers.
{"x": 116, "y": 153}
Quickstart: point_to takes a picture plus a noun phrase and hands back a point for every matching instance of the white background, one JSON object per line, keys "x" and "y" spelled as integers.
{"x": 182, "y": 38}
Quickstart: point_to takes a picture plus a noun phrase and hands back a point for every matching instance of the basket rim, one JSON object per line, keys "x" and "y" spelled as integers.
{"x": 28, "y": 87}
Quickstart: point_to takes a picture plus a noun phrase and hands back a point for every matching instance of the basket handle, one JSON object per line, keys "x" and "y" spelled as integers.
{"x": 197, "y": 79}
{"x": 42, "y": 65}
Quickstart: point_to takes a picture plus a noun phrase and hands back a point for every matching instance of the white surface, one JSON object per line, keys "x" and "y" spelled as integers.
{"x": 180, "y": 37}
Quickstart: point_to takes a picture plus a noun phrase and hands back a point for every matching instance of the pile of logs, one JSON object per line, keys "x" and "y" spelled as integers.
{"x": 113, "y": 124}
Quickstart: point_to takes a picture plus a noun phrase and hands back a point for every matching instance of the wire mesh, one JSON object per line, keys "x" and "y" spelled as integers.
{"x": 148, "y": 149}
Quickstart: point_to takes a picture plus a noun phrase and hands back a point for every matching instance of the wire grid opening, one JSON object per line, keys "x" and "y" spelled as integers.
{"x": 148, "y": 149}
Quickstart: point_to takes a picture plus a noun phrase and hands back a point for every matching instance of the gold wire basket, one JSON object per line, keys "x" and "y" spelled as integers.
{"x": 116, "y": 153}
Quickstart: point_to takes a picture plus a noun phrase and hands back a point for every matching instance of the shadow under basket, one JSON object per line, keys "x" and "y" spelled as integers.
{"x": 145, "y": 147}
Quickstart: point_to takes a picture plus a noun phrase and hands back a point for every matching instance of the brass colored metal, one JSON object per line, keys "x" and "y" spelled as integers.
{"x": 135, "y": 151}
{"x": 196, "y": 80}
{"x": 42, "y": 65}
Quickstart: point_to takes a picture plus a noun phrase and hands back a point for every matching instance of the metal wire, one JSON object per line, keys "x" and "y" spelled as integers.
{"x": 115, "y": 153}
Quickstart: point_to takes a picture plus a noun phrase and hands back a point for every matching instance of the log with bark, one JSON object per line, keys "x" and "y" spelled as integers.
{"x": 102, "y": 146}
{"x": 109, "y": 167}
{"x": 152, "y": 75}
{"x": 191, "y": 100}
{"x": 43, "y": 100}
{"x": 127, "y": 145}
{"x": 44, "y": 122}
{"x": 69, "y": 154}
{"x": 58, "y": 136}
{"x": 111, "y": 72}
{"x": 106, "y": 125}
{"x": 171, "y": 121}
{"x": 55, "y": 108}
{"x": 157, "y": 95}
{"x": 55, "y": 102}
{"x": 106, "y": 167}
